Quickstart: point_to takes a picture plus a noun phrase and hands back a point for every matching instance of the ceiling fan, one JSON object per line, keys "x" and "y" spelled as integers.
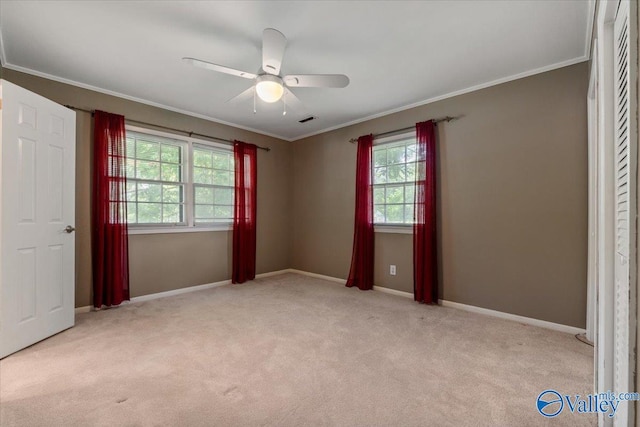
{"x": 269, "y": 85}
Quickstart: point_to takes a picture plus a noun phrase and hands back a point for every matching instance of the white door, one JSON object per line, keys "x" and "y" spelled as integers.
{"x": 37, "y": 192}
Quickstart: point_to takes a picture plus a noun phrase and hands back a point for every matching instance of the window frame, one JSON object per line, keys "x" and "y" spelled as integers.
{"x": 188, "y": 226}
{"x": 391, "y": 227}
{"x": 182, "y": 182}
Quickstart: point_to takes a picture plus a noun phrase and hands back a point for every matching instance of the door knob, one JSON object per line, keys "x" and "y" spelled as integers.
{"x": 69, "y": 229}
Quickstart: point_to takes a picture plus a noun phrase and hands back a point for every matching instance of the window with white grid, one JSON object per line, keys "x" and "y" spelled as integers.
{"x": 394, "y": 171}
{"x": 155, "y": 180}
{"x": 213, "y": 184}
{"x": 177, "y": 184}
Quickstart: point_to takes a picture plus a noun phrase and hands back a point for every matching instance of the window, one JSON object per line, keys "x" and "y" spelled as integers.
{"x": 213, "y": 184}
{"x": 178, "y": 183}
{"x": 155, "y": 180}
{"x": 394, "y": 171}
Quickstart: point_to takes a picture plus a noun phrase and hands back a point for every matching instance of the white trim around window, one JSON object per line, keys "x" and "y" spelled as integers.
{"x": 189, "y": 226}
{"x": 393, "y": 138}
{"x": 393, "y": 229}
{"x": 382, "y": 198}
{"x": 140, "y": 229}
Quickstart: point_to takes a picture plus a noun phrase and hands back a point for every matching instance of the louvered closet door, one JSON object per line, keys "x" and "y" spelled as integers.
{"x": 623, "y": 210}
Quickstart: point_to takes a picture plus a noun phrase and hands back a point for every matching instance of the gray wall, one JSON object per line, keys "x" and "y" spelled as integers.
{"x": 512, "y": 198}
{"x": 164, "y": 262}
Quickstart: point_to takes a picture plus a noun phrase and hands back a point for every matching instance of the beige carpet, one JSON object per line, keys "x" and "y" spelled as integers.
{"x": 292, "y": 351}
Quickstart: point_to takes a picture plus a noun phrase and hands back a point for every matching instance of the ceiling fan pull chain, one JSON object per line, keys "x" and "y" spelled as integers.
{"x": 284, "y": 103}
{"x": 254, "y": 100}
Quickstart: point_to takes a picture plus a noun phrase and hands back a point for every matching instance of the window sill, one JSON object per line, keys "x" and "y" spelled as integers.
{"x": 179, "y": 229}
{"x": 397, "y": 229}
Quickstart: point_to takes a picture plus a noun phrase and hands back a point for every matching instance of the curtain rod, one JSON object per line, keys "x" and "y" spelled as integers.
{"x": 191, "y": 134}
{"x": 378, "y": 135}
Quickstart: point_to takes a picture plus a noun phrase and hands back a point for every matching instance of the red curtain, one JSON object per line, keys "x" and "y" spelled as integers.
{"x": 244, "y": 213}
{"x": 425, "y": 271}
{"x": 110, "y": 242}
{"x": 361, "y": 272}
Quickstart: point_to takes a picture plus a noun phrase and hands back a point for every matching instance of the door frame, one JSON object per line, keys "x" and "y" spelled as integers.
{"x": 601, "y": 125}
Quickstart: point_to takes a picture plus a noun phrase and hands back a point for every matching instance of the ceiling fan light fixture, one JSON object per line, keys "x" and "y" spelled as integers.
{"x": 269, "y": 88}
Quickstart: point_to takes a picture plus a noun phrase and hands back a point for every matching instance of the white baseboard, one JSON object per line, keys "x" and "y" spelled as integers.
{"x": 174, "y": 292}
{"x": 514, "y": 317}
{"x": 318, "y": 276}
{"x": 273, "y": 273}
{"x": 471, "y": 308}
{"x": 393, "y": 292}
{"x": 165, "y": 294}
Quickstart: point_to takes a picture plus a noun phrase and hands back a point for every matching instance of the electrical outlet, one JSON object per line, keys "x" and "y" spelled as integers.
{"x": 392, "y": 270}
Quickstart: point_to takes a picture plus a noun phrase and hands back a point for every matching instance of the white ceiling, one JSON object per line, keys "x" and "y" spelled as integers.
{"x": 397, "y": 54}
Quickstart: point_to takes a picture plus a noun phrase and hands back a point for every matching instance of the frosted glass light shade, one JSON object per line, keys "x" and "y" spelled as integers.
{"x": 269, "y": 88}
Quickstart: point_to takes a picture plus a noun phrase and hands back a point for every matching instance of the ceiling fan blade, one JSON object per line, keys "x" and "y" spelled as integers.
{"x": 247, "y": 94}
{"x": 273, "y": 43}
{"x": 219, "y": 68}
{"x": 316, "y": 80}
{"x": 294, "y": 102}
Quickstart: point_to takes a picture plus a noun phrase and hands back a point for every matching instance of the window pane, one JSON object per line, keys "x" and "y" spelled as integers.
{"x": 131, "y": 191}
{"x": 149, "y": 213}
{"x": 131, "y": 213}
{"x": 147, "y": 170}
{"x": 131, "y": 168}
{"x": 204, "y": 195}
{"x": 411, "y": 153}
{"x": 221, "y": 160}
{"x": 409, "y": 193}
{"x": 170, "y": 172}
{"x": 378, "y": 214}
{"x": 379, "y": 157}
{"x": 395, "y": 194}
{"x": 396, "y": 173}
{"x": 378, "y": 195}
{"x": 395, "y": 214}
{"x": 395, "y": 155}
{"x": 223, "y": 196}
{"x": 223, "y": 212}
{"x": 411, "y": 172}
{"x": 408, "y": 213}
{"x": 171, "y": 193}
{"x": 202, "y": 176}
{"x": 131, "y": 148}
{"x": 171, "y": 213}
{"x": 202, "y": 158}
{"x": 221, "y": 177}
{"x": 170, "y": 153}
{"x": 148, "y": 150}
{"x": 204, "y": 211}
{"x": 380, "y": 175}
{"x": 149, "y": 192}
